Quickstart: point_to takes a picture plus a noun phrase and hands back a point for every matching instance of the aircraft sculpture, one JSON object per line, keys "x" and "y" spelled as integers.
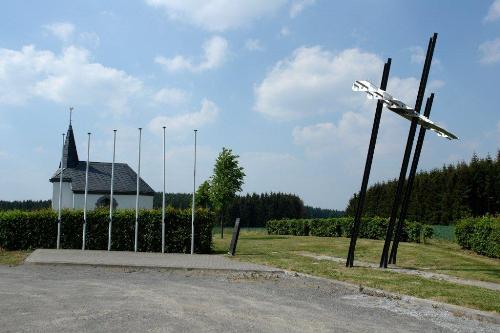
{"x": 397, "y": 106}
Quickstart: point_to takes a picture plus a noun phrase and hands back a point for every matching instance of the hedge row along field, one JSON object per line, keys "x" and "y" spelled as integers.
{"x": 21, "y": 230}
{"x": 480, "y": 234}
{"x": 371, "y": 228}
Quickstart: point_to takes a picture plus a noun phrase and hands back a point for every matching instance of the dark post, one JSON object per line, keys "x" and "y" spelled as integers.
{"x": 406, "y": 158}
{"x": 368, "y": 165}
{"x": 234, "y": 240}
{"x": 409, "y": 186}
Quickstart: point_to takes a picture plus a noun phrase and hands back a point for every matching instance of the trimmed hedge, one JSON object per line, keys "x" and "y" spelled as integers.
{"x": 20, "y": 230}
{"x": 371, "y": 228}
{"x": 480, "y": 234}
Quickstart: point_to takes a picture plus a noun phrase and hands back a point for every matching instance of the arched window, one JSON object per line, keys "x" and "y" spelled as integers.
{"x": 103, "y": 202}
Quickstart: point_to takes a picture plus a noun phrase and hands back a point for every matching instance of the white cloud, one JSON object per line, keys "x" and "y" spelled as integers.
{"x": 314, "y": 81}
{"x": 493, "y": 12}
{"x": 171, "y": 96}
{"x": 418, "y": 56}
{"x": 218, "y": 15}
{"x": 253, "y": 45}
{"x": 214, "y": 55}
{"x": 61, "y": 30}
{"x": 179, "y": 125}
{"x": 284, "y": 32}
{"x": 298, "y": 6}
{"x": 69, "y": 77}
{"x": 90, "y": 38}
{"x": 490, "y": 51}
{"x": 330, "y": 137}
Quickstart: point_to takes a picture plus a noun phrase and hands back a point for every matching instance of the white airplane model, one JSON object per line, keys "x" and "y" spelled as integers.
{"x": 400, "y": 108}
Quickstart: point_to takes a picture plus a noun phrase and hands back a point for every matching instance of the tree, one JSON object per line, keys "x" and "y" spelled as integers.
{"x": 203, "y": 195}
{"x": 225, "y": 182}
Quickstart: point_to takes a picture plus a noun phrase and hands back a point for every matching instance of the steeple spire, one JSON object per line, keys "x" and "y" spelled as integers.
{"x": 70, "y": 156}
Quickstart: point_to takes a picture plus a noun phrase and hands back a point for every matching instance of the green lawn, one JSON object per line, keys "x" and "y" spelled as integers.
{"x": 12, "y": 258}
{"x": 437, "y": 256}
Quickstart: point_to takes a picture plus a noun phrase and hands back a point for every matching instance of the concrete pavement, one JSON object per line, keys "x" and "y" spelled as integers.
{"x": 144, "y": 260}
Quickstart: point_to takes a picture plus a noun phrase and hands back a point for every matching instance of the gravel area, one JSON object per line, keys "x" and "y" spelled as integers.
{"x": 60, "y": 298}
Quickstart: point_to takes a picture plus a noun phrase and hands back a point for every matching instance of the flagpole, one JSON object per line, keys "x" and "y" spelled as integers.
{"x": 60, "y": 196}
{"x": 194, "y": 193}
{"x": 111, "y": 192}
{"x": 163, "y": 200}
{"x": 137, "y": 195}
{"x": 86, "y": 193}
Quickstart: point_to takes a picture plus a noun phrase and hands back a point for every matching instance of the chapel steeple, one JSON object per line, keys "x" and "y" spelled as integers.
{"x": 70, "y": 155}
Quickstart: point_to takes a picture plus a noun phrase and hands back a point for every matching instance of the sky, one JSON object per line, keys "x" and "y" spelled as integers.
{"x": 269, "y": 79}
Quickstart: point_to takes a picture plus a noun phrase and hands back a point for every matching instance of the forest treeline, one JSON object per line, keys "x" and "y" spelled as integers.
{"x": 24, "y": 204}
{"x": 442, "y": 196}
{"x": 254, "y": 210}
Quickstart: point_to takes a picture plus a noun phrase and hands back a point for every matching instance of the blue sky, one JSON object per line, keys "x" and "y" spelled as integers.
{"x": 269, "y": 79}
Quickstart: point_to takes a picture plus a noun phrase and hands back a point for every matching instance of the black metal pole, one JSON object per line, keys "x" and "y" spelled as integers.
{"x": 409, "y": 186}
{"x": 368, "y": 165}
{"x": 406, "y": 158}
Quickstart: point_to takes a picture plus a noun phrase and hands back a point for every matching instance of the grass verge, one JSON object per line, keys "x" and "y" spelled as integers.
{"x": 12, "y": 258}
{"x": 438, "y": 256}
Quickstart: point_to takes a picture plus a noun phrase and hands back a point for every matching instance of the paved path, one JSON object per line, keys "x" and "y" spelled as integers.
{"x": 144, "y": 260}
{"x": 68, "y": 298}
{"x": 425, "y": 274}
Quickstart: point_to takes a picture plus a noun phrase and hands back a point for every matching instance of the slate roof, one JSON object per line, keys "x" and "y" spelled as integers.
{"x": 125, "y": 181}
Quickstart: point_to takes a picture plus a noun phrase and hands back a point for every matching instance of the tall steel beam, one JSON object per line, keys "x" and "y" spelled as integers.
{"x": 406, "y": 158}
{"x": 368, "y": 165}
{"x": 409, "y": 186}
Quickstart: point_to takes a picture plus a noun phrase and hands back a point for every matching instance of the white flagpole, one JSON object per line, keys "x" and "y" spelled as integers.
{"x": 194, "y": 192}
{"x": 163, "y": 200}
{"x": 137, "y": 196}
{"x": 111, "y": 192}
{"x": 85, "y": 197}
{"x": 60, "y": 196}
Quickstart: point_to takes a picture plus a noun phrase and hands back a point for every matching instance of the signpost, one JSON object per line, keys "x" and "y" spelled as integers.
{"x": 234, "y": 239}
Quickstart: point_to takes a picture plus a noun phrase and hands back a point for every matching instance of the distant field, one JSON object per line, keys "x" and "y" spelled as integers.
{"x": 444, "y": 232}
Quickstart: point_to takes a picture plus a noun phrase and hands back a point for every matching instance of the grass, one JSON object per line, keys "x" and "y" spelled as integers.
{"x": 12, "y": 258}
{"x": 437, "y": 256}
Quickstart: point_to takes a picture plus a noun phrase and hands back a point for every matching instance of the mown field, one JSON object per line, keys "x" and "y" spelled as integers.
{"x": 435, "y": 256}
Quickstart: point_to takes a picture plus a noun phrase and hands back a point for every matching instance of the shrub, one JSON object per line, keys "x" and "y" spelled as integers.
{"x": 371, "y": 228}
{"x": 21, "y": 230}
{"x": 480, "y": 234}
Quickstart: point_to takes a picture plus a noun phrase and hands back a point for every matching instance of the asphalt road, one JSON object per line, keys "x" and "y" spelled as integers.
{"x": 40, "y": 298}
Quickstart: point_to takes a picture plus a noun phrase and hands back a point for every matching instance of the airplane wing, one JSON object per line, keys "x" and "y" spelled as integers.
{"x": 429, "y": 124}
{"x": 372, "y": 92}
{"x": 397, "y": 106}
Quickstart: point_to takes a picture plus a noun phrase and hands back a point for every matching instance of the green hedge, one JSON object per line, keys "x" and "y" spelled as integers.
{"x": 480, "y": 234}
{"x": 371, "y": 228}
{"x": 21, "y": 230}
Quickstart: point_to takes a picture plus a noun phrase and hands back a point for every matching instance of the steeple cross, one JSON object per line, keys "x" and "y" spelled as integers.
{"x": 70, "y": 113}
